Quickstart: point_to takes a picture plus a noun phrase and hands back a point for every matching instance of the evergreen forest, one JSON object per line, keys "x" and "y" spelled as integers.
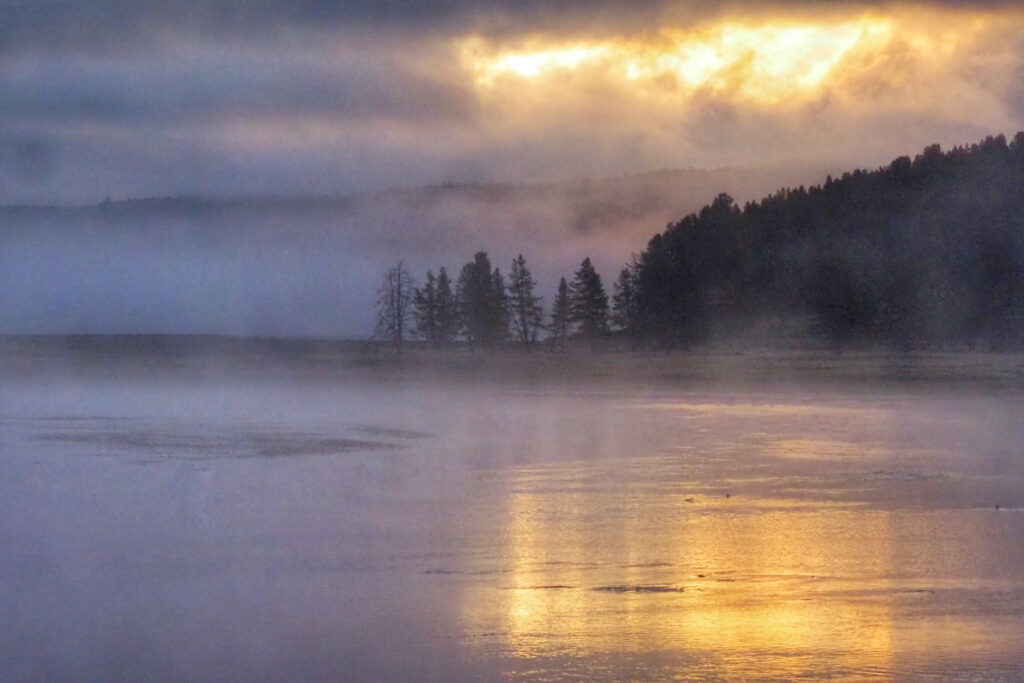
{"x": 924, "y": 253}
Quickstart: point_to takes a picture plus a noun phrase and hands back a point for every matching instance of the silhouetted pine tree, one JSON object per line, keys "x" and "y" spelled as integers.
{"x": 525, "y": 309}
{"x": 426, "y": 310}
{"x": 499, "y": 303}
{"x": 626, "y": 302}
{"x": 481, "y": 303}
{"x": 588, "y": 303}
{"x": 558, "y": 329}
{"x": 446, "y": 319}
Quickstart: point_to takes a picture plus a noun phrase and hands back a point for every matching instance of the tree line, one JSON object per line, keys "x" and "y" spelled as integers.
{"x": 483, "y": 308}
{"x": 923, "y": 253}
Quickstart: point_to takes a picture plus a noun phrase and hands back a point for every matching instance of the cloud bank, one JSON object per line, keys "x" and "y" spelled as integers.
{"x": 128, "y": 99}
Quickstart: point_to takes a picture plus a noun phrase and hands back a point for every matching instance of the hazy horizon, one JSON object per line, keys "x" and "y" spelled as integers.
{"x": 288, "y": 269}
{"x": 815, "y": 174}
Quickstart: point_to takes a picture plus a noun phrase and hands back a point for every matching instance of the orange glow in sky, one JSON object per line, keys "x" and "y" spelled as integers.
{"x": 766, "y": 62}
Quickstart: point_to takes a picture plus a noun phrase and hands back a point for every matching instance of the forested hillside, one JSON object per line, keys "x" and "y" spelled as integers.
{"x": 923, "y": 253}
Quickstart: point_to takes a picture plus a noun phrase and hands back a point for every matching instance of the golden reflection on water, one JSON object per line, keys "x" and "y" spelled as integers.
{"x": 822, "y": 449}
{"x": 725, "y": 586}
{"x": 827, "y": 557}
{"x": 768, "y": 410}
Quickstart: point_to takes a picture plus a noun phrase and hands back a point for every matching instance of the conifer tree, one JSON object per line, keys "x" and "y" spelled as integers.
{"x": 626, "y": 302}
{"x": 425, "y": 310}
{"x": 481, "y": 302}
{"x": 588, "y": 303}
{"x": 498, "y": 313}
{"x": 524, "y": 308}
{"x": 560, "y": 310}
{"x": 447, "y": 319}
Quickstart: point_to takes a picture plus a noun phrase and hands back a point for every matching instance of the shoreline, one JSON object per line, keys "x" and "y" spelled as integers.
{"x": 138, "y": 356}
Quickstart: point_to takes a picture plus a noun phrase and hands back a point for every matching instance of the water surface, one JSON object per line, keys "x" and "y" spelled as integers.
{"x": 230, "y": 528}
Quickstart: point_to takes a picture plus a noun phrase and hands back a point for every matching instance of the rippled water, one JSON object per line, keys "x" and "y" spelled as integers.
{"x": 278, "y": 530}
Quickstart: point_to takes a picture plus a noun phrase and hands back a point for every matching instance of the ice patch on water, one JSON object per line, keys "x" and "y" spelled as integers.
{"x": 393, "y": 432}
{"x": 155, "y": 441}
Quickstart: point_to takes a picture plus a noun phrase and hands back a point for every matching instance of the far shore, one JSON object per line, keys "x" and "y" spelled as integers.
{"x": 137, "y": 356}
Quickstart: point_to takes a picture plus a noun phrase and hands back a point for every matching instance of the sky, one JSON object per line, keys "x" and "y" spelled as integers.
{"x": 134, "y": 98}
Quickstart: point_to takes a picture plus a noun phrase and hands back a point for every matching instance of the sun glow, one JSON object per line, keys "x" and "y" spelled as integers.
{"x": 764, "y": 63}
{"x": 545, "y": 61}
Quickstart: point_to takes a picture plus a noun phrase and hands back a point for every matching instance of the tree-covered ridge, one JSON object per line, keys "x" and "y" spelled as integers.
{"x": 923, "y": 252}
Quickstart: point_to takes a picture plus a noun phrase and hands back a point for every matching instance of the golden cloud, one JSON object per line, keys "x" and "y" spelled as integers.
{"x": 769, "y": 63}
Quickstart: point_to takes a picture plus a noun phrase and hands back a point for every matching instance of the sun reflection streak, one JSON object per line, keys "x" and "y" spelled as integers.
{"x": 629, "y": 563}
{"x": 598, "y": 574}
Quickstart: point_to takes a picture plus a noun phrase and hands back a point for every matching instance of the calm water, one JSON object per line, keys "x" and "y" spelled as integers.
{"x": 229, "y": 530}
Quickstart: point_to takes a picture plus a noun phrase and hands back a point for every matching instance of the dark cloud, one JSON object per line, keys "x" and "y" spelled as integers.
{"x": 221, "y": 86}
{"x": 28, "y": 160}
{"x": 114, "y": 25}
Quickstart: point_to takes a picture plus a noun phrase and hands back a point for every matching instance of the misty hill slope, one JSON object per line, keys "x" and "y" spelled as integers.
{"x": 924, "y": 252}
{"x": 583, "y": 205}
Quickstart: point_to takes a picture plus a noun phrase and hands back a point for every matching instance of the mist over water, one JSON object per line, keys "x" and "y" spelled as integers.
{"x": 311, "y": 267}
{"x": 273, "y": 525}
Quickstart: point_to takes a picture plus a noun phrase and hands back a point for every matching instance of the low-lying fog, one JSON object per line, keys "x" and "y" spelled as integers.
{"x": 266, "y": 526}
{"x": 312, "y": 267}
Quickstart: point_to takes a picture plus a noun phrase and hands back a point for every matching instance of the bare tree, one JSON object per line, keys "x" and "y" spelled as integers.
{"x": 394, "y": 305}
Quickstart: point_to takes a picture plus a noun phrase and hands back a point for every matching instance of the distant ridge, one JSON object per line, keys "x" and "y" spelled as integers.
{"x": 186, "y": 203}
